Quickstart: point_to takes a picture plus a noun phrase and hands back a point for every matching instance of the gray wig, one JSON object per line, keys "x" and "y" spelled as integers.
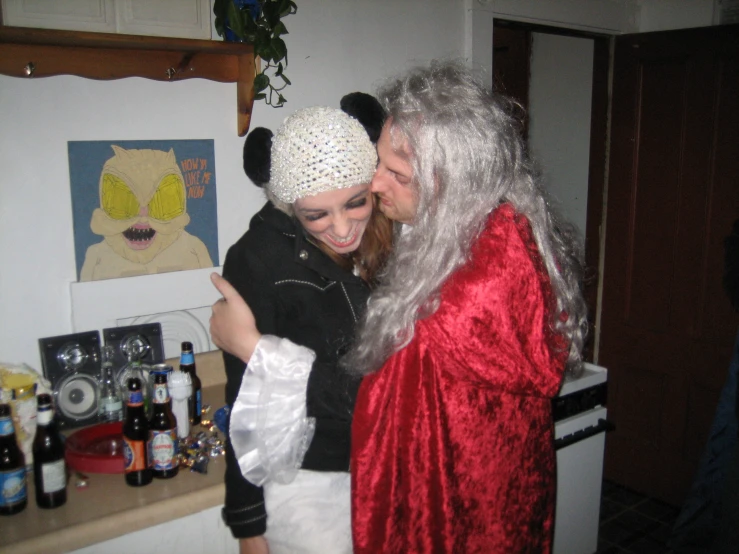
{"x": 468, "y": 157}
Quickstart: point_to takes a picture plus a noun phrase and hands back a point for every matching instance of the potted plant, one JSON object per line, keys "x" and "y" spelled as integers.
{"x": 259, "y": 22}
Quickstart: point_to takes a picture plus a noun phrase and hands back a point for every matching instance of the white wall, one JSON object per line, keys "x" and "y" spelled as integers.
{"x": 662, "y": 15}
{"x": 335, "y": 47}
{"x": 611, "y": 17}
{"x": 559, "y": 119}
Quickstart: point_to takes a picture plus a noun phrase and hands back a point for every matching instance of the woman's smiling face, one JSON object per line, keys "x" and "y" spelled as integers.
{"x": 337, "y": 218}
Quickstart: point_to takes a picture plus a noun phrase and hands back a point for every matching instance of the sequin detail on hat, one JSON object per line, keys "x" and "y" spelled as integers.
{"x": 317, "y": 150}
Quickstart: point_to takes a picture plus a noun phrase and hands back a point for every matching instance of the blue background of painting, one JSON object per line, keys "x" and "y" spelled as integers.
{"x": 86, "y": 160}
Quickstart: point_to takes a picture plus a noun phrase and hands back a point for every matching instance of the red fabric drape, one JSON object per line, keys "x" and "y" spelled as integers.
{"x": 452, "y": 444}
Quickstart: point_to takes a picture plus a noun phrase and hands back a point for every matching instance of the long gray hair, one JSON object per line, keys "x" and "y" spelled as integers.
{"x": 468, "y": 157}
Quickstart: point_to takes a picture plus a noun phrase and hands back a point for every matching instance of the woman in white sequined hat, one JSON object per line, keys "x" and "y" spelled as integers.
{"x": 305, "y": 267}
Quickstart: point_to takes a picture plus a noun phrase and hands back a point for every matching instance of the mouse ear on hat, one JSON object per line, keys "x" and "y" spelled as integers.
{"x": 258, "y": 155}
{"x": 367, "y": 110}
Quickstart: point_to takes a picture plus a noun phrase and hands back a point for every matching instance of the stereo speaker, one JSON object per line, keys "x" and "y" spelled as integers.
{"x": 71, "y": 363}
{"x": 143, "y": 342}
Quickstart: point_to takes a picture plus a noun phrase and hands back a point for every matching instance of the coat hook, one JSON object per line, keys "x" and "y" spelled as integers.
{"x": 29, "y": 69}
{"x": 171, "y": 72}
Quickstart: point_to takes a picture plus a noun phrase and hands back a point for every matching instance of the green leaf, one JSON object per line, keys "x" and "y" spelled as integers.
{"x": 264, "y": 34}
{"x": 219, "y": 8}
{"x": 264, "y": 51}
{"x": 271, "y": 12}
{"x": 287, "y": 7}
{"x": 219, "y": 11}
{"x": 235, "y": 21}
{"x": 261, "y": 82}
{"x": 263, "y": 37}
{"x": 279, "y": 48}
{"x": 279, "y": 29}
{"x": 251, "y": 25}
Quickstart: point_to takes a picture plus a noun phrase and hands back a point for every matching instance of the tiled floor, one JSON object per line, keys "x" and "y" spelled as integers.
{"x": 631, "y": 523}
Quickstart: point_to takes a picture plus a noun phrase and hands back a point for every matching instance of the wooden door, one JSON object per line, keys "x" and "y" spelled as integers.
{"x": 667, "y": 326}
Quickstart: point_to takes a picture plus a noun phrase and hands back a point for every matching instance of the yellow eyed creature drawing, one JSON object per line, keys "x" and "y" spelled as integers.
{"x": 142, "y": 217}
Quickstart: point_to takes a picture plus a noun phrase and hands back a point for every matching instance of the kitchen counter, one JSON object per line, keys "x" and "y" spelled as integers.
{"x": 108, "y": 508}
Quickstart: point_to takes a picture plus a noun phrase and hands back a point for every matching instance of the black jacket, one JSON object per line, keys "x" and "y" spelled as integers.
{"x": 298, "y": 293}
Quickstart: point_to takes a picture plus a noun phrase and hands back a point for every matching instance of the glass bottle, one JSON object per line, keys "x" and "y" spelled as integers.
{"x": 111, "y": 403}
{"x": 135, "y": 368}
{"x": 13, "y": 491}
{"x": 187, "y": 364}
{"x": 162, "y": 432}
{"x": 49, "y": 469}
{"x": 135, "y": 436}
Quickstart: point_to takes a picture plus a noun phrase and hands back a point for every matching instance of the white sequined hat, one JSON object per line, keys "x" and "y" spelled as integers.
{"x": 317, "y": 150}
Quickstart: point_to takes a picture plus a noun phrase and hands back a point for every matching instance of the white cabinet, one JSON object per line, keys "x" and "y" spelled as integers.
{"x": 164, "y": 18}
{"x": 193, "y": 534}
{"x": 72, "y": 15}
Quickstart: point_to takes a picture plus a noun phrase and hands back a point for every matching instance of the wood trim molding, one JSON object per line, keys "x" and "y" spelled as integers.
{"x": 32, "y": 53}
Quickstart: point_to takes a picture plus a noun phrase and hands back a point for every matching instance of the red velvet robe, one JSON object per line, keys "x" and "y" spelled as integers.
{"x": 453, "y": 439}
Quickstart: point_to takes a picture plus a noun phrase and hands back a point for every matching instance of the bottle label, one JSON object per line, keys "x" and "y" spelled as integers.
{"x": 187, "y": 358}
{"x": 53, "y": 476}
{"x": 44, "y": 416}
{"x": 136, "y": 398}
{"x": 198, "y": 403}
{"x": 6, "y": 427}
{"x": 112, "y": 404}
{"x": 134, "y": 455}
{"x": 13, "y": 487}
{"x": 161, "y": 393}
{"x": 163, "y": 449}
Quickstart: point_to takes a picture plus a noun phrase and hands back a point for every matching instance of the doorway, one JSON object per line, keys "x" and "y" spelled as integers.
{"x": 560, "y": 78}
{"x": 667, "y": 328}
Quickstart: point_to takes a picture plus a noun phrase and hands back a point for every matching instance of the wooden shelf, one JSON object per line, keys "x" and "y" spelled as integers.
{"x": 33, "y": 53}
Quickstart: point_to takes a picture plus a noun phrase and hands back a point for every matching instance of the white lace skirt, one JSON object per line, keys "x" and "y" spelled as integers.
{"x": 311, "y": 515}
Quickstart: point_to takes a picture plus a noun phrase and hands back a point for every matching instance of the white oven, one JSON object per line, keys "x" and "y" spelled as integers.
{"x": 579, "y": 431}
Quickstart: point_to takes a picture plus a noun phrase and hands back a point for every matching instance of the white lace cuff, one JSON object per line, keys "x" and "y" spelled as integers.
{"x": 269, "y": 428}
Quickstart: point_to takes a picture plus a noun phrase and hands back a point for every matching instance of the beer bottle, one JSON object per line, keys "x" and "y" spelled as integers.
{"x": 135, "y": 434}
{"x": 162, "y": 432}
{"x": 49, "y": 471}
{"x": 187, "y": 364}
{"x": 13, "y": 492}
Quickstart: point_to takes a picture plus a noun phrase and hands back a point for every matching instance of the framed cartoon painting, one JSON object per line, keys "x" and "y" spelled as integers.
{"x": 142, "y": 207}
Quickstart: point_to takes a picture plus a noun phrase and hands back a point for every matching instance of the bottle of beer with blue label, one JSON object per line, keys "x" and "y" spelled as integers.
{"x": 13, "y": 490}
{"x": 163, "y": 450}
{"x": 135, "y": 436}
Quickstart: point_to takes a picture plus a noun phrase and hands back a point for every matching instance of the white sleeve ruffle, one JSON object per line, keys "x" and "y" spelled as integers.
{"x": 269, "y": 429}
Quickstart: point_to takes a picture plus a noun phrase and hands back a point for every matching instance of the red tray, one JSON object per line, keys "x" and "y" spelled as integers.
{"x": 96, "y": 449}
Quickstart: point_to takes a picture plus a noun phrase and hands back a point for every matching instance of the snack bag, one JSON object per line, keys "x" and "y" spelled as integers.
{"x": 19, "y": 385}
